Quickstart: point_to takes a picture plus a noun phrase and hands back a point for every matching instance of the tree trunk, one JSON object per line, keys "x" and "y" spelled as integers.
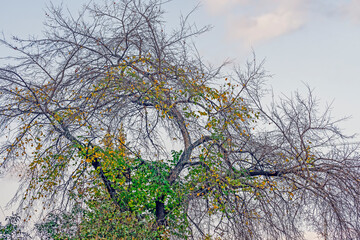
{"x": 160, "y": 211}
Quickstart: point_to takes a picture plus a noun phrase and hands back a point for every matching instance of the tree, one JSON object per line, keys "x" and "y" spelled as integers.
{"x": 60, "y": 224}
{"x": 12, "y": 229}
{"x": 111, "y": 113}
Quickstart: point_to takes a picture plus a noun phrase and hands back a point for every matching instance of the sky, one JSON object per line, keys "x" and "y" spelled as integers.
{"x": 314, "y": 42}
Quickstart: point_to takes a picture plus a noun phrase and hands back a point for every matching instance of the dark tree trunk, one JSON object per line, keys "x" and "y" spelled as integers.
{"x": 160, "y": 211}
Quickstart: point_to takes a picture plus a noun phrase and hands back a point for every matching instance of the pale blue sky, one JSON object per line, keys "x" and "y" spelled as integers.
{"x": 310, "y": 41}
{"x": 315, "y": 42}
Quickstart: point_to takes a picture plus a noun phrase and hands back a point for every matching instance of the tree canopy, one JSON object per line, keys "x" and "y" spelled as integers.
{"x": 127, "y": 132}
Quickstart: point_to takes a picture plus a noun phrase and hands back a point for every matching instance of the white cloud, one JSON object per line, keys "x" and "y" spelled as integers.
{"x": 352, "y": 10}
{"x": 263, "y": 19}
{"x": 252, "y": 29}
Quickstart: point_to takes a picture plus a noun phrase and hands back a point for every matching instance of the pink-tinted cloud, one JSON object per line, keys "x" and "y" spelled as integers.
{"x": 284, "y": 18}
{"x": 352, "y": 10}
{"x": 266, "y": 19}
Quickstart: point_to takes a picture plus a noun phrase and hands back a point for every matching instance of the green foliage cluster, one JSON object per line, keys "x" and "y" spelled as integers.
{"x": 12, "y": 229}
{"x": 132, "y": 216}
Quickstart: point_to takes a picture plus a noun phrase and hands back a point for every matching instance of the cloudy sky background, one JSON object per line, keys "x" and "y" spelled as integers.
{"x": 314, "y": 42}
